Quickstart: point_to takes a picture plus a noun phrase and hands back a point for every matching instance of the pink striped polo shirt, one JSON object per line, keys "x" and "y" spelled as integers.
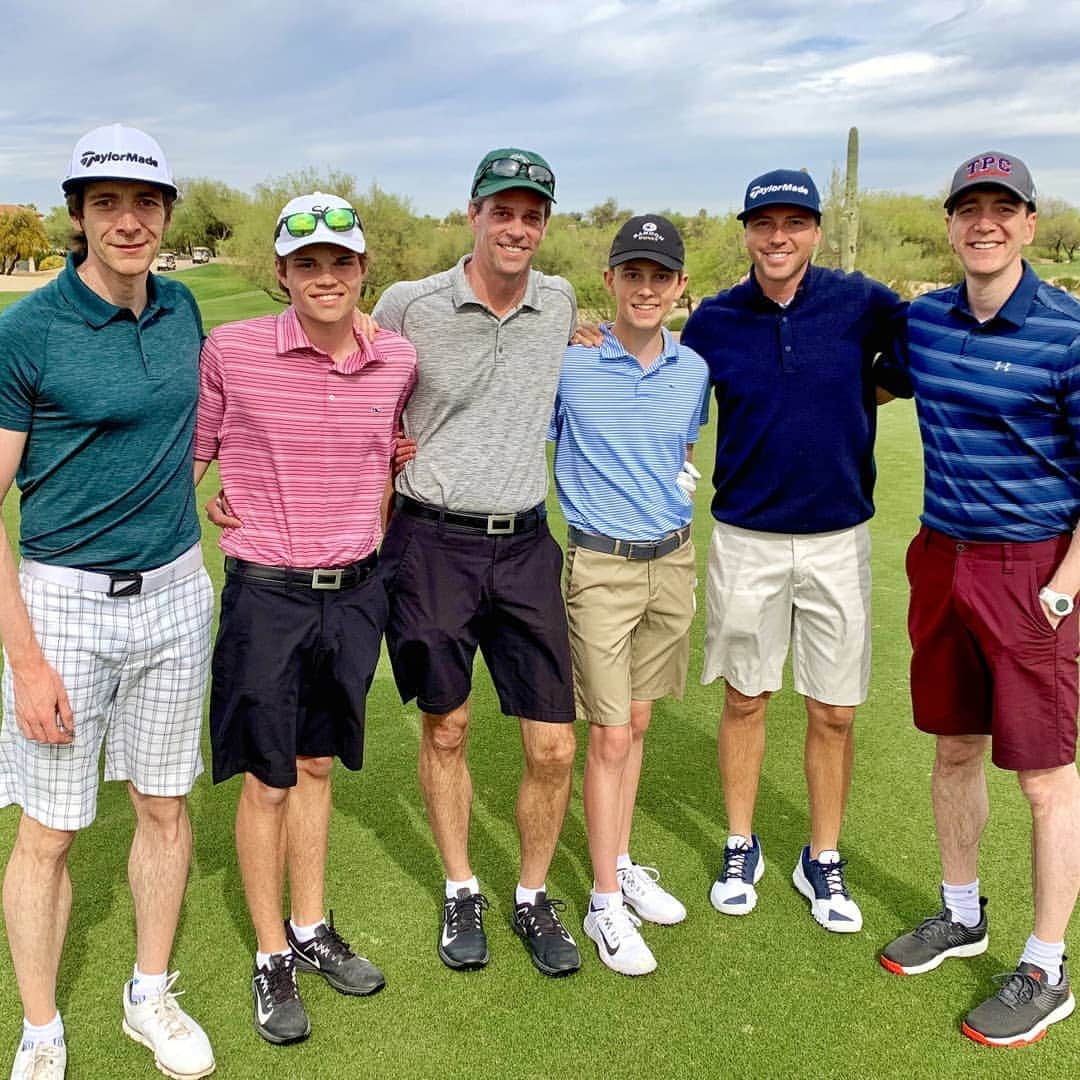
{"x": 303, "y": 444}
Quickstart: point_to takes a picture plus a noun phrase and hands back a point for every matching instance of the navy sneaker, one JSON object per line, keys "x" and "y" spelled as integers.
{"x": 551, "y": 947}
{"x": 462, "y": 941}
{"x": 733, "y": 891}
{"x": 1022, "y": 1010}
{"x": 830, "y": 902}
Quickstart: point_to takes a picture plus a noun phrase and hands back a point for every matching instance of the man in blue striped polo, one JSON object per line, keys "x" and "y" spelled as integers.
{"x": 626, "y": 416}
{"x": 995, "y": 367}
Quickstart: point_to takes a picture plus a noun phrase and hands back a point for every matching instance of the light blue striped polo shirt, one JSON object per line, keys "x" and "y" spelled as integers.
{"x": 999, "y": 411}
{"x": 620, "y": 435}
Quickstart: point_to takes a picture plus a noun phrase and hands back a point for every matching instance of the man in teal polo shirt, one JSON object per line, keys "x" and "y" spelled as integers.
{"x": 106, "y": 623}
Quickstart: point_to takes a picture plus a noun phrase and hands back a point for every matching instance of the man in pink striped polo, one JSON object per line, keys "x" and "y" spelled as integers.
{"x": 300, "y": 410}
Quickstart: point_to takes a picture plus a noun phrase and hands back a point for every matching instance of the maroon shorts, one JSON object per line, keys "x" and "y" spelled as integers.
{"x": 985, "y": 660}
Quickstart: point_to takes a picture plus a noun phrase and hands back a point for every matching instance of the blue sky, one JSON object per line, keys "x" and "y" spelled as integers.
{"x": 670, "y": 105}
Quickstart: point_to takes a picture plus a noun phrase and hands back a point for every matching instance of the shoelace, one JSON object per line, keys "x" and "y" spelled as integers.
{"x": 834, "y": 877}
{"x": 641, "y": 883}
{"x": 936, "y": 926}
{"x": 279, "y": 980}
{"x": 331, "y": 944}
{"x": 167, "y": 1011}
{"x": 542, "y": 918}
{"x": 1016, "y": 988}
{"x": 735, "y": 861}
{"x": 619, "y": 924}
{"x": 467, "y": 912}
{"x": 45, "y": 1061}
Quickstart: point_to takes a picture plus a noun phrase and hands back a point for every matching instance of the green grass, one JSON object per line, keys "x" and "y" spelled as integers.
{"x": 770, "y": 995}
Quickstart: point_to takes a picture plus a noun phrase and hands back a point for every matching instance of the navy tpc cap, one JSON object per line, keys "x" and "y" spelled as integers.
{"x": 781, "y": 187}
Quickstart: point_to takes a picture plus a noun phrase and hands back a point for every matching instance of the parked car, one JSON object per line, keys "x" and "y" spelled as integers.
{"x": 200, "y": 255}
{"x": 166, "y": 260}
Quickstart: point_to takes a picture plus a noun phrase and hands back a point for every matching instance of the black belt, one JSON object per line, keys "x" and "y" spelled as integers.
{"x": 340, "y": 577}
{"x": 630, "y": 549}
{"x": 489, "y": 524}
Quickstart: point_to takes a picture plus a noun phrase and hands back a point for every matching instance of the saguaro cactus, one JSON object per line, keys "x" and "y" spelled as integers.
{"x": 849, "y": 236}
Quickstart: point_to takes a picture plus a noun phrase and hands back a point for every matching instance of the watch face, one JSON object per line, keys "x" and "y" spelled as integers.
{"x": 1061, "y": 606}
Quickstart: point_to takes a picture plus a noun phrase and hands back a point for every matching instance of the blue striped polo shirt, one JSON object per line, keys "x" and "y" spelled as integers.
{"x": 620, "y": 434}
{"x": 999, "y": 412}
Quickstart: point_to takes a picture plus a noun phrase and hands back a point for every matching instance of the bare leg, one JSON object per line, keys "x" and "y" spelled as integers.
{"x": 1054, "y": 797}
{"x": 830, "y": 750}
{"x": 307, "y": 828}
{"x": 260, "y": 850}
{"x": 961, "y": 804}
{"x": 640, "y": 717}
{"x": 157, "y": 872}
{"x": 603, "y": 794}
{"x": 740, "y": 751}
{"x": 447, "y": 786}
{"x": 37, "y": 906}
{"x": 543, "y": 795}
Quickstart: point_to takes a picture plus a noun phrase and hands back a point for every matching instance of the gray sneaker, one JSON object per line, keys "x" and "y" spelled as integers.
{"x": 328, "y": 954}
{"x": 933, "y": 941}
{"x": 280, "y": 1016}
{"x": 1022, "y": 1010}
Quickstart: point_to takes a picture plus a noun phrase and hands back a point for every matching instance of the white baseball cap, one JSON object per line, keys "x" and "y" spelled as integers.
{"x": 115, "y": 152}
{"x": 316, "y": 205}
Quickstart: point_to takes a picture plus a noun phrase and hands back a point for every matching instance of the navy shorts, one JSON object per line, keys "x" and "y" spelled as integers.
{"x": 291, "y": 670}
{"x": 451, "y": 591}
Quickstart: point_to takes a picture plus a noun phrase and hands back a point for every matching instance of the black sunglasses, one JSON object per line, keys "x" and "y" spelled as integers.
{"x": 505, "y": 168}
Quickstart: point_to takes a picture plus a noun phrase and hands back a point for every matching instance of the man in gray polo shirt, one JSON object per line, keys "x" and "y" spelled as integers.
{"x": 468, "y": 559}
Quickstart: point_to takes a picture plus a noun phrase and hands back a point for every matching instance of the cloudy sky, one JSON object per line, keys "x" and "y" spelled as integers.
{"x": 661, "y": 105}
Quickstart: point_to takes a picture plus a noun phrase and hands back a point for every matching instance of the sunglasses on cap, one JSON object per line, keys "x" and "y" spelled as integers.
{"x": 505, "y": 168}
{"x": 304, "y": 223}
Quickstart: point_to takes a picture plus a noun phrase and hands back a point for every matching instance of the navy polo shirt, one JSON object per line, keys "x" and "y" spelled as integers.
{"x": 999, "y": 412}
{"x": 108, "y": 401}
{"x": 621, "y": 433}
{"x": 795, "y": 397}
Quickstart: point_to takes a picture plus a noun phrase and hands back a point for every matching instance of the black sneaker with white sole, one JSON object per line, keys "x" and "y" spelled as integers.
{"x": 280, "y": 1016}
{"x": 328, "y": 954}
{"x": 1021, "y": 1011}
{"x": 551, "y": 947}
{"x": 462, "y": 941}
{"x": 934, "y": 940}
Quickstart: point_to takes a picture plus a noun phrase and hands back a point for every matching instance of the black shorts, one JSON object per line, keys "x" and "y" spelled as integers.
{"x": 451, "y": 590}
{"x": 291, "y": 670}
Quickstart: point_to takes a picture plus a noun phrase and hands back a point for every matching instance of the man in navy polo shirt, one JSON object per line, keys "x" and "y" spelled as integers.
{"x": 626, "y": 417}
{"x": 994, "y": 571}
{"x": 791, "y": 352}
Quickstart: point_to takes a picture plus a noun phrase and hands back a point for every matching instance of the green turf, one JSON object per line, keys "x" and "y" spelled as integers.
{"x": 769, "y": 995}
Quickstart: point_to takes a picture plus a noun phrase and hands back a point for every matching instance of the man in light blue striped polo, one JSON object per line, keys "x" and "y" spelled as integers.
{"x": 995, "y": 367}
{"x": 626, "y": 417}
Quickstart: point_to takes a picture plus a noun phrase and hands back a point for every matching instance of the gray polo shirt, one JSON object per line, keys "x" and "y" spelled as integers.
{"x": 480, "y": 410}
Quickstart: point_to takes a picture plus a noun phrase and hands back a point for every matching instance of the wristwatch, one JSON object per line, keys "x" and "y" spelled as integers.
{"x": 1059, "y": 603}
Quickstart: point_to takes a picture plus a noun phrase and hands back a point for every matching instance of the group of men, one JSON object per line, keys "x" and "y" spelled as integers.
{"x": 456, "y": 383}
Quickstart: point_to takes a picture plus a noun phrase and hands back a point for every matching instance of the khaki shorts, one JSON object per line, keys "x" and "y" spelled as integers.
{"x": 629, "y": 629}
{"x": 766, "y": 592}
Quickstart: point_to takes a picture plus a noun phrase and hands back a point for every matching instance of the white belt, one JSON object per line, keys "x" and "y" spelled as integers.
{"x": 117, "y": 583}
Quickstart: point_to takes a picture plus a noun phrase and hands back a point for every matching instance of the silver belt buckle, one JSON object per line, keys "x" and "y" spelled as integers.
{"x": 326, "y": 579}
{"x": 500, "y": 524}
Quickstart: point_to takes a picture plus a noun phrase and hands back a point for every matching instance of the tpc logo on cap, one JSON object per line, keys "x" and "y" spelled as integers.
{"x": 989, "y": 165}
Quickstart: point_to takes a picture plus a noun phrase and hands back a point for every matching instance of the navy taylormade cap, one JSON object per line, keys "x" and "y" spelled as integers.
{"x": 648, "y": 236}
{"x": 781, "y": 187}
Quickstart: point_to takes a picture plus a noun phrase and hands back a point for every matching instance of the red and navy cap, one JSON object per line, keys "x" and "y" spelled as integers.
{"x": 994, "y": 168}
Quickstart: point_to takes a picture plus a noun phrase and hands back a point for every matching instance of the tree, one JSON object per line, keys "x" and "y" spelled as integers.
{"x": 204, "y": 216}
{"x": 58, "y": 227}
{"x": 22, "y": 236}
{"x": 1059, "y": 229}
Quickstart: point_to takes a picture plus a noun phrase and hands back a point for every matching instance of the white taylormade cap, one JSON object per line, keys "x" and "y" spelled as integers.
{"x": 115, "y": 152}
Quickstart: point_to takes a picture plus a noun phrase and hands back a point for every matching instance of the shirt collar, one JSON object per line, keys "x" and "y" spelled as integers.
{"x": 611, "y": 348}
{"x": 463, "y": 292}
{"x": 292, "y": 339}
{"x": 759, "y": 300}
{"x": 1015, "y": 310}
{"x": 94, "y": 308}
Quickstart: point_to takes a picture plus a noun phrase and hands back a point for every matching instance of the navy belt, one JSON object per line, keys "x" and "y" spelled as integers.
{"x": 488, "y": 524}
{"x": 630, "y": 549}
{"x": 335, "y": 578}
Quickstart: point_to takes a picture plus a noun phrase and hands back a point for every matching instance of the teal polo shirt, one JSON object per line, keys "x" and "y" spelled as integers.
{"x": 108, "y": 402}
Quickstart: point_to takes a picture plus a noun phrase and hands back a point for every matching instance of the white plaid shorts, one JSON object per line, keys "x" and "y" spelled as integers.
{"x": 135, "y": 670}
